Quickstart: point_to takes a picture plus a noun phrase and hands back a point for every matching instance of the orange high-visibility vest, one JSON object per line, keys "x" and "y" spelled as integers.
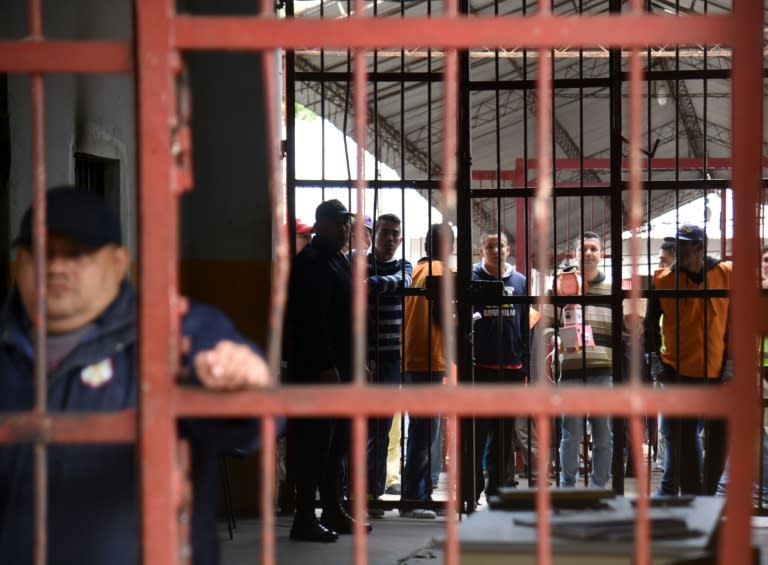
{"x": 686, "y": 338}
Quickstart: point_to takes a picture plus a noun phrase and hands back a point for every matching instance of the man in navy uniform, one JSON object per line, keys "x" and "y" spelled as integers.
{"x": 91, "y": 352}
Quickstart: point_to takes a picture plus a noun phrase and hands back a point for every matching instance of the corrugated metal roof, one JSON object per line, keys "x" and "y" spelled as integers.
{"x": 685, "y": 118}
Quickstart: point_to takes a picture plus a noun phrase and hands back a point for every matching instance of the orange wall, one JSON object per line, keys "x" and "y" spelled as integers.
{"x": 241, "y": 288}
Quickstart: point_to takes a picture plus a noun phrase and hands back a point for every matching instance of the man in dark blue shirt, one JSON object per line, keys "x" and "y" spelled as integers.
{"x": 500, "y": 340}
{"x": 91, "y": 346}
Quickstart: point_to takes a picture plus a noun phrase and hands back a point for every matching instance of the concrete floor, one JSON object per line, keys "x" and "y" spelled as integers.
{"x": 394, "y": 540}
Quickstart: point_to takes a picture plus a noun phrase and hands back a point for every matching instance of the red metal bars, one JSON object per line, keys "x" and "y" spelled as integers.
{"x": 478, "y": 400}
{"x": 80, "y": 427}
{"x": 66, "y": 56}
{"x": 746, "y": 150}
{"x": 447, "y": 291}
{"x": 280, "y": 273}
{"x": 535, "y": 32}
{"x": 159, "y": 400}
{"x": 40, "y": 321}
{"x": 359, "y": 426}
{"x": 636, "y": 429}
{"x": 542, "y": 221}
{"x": 158, "y": 299}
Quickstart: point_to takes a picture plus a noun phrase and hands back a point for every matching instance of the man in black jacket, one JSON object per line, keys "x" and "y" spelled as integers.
{"x": 319, "y": 333}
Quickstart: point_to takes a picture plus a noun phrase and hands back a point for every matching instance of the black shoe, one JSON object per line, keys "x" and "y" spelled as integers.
{"x": 341, "y": 522}
{"x": 309, "y": 529}
{"x": 393, "y": 489}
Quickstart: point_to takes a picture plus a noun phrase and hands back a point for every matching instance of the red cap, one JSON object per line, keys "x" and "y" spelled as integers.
{"x": 301, "y": 227}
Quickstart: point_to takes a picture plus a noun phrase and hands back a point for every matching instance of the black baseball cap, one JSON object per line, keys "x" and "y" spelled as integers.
{"x": 82, "y": 215}
{"x": 331, "y": 209}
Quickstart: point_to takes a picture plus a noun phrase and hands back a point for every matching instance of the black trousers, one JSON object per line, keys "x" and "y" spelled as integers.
{"x": 686, "y": 472}
{"x": 322, "y": 445}
{"x": 495, "y": 436}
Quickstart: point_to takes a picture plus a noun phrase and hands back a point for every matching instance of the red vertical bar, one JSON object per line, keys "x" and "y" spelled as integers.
{"x": 448, "y": 198}
{"x": 359, "y": 301}
{"x": 542, "y": 219}
{"x": 268, "y": 433}
{"x": 642, "y": 528}
{"x": 747, "y": 111}
{"x": 40, "y": 236}
{"x": 157, "y": 281}
{"x": 281, "y": 248}
{"x": 281, "y": 265}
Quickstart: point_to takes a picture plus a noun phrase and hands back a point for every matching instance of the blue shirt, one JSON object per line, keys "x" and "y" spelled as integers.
{"x": 93, "y": 499}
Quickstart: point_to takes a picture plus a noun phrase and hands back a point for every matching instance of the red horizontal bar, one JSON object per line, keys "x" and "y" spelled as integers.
{"x": 665, "y": 163}
{"x": 57, "y": 427}
{"x": 244, "y": 33}
{"x": 27, "y": 56}
{"x": 479, "y": 400}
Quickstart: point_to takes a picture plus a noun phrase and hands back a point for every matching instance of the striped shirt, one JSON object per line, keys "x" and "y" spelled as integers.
{"x": 599, "y": 317}
{"x": 597, "y": 359}
{"x": 385, "y": 306}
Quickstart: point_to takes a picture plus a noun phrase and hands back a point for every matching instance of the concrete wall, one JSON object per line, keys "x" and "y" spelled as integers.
{"x": 226, "y": 243}
{"x": 225, "y": 235}
{"x": 226, "y": 249}
{"x": 87, "y": 113}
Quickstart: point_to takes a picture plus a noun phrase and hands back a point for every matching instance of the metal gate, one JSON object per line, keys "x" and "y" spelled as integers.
{"x": 451, "y": 30}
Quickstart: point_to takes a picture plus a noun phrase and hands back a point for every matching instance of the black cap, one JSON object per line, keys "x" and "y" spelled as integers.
{"x": 77, "y": 213}
{"x": 331, "y": 209}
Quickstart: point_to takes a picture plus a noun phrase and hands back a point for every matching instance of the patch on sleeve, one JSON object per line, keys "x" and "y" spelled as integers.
{"x": 98, "y": 374}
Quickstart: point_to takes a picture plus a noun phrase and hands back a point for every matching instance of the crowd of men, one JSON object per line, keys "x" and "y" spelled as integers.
{"x": 91, "y": 344}
{"x": 579, "y": 341}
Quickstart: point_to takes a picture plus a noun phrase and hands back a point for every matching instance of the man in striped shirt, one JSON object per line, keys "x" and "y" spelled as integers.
{"x": 590, "y": 365}
{"x": 387, "y": 275}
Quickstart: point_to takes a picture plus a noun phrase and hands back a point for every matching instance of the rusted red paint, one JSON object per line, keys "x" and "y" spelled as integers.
{"x": 480, "y": 400}
{"x": 279, "y": 283}
{"x": 656, "y": 164}
{"x": 267, "y": 490}
{"x": 39, "y": 317}
{"x": 162, "y": 478}
{"x": 66, "y": 56}
{"x": 746, "y": 150}
{"x": 542, "y": 216}
{"x": 182, "y": 498}
{"x": 359, "y": 336}
{"x": 534, "y": 32}
{"x": 635, "y": 422}
{"x": 71, "y": 427}
{"x": 158, "y": 297}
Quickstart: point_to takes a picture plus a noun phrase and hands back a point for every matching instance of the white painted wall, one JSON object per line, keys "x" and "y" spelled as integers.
{"x": 86, "y": 113}
{"x": 228, "y": 214}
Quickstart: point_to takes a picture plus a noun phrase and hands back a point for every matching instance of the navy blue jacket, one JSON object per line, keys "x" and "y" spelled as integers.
{"x": 506, "y": 342}
{"x": 93, "y": 499}
{"x": 319, "y": 324}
